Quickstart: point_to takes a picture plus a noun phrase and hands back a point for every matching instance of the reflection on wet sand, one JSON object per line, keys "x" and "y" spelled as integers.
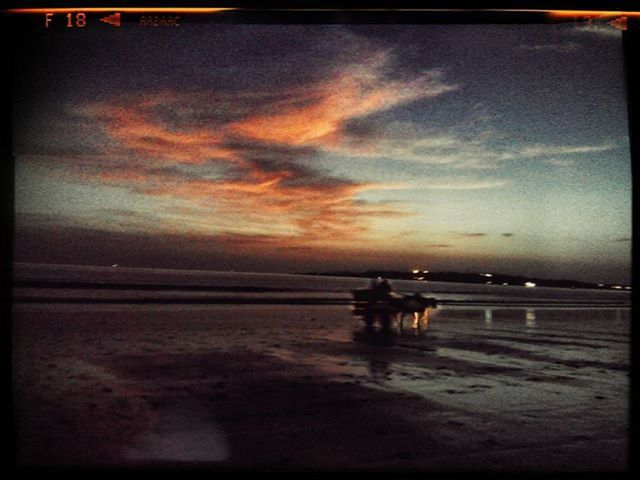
{"x": 488, "y": 318}
{"x": 420, "y": 323}
{"x": 384, "y": 335}
{"x": 372, "y": 336}
{"x": 254, "y": 386}
{"x": 530, "y": 318}
{"x": 379, "y": 369}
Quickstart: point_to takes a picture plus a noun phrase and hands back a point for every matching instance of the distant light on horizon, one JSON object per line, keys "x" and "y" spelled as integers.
{"x": 529, "y": 284}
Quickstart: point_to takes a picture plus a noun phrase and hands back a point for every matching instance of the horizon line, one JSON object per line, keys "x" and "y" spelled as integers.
{"x": 328, "y": 274}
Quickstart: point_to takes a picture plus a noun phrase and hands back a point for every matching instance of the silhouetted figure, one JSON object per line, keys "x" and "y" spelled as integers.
{"x": 380, "y": 285}
{"x": 379, "y": 302}
{"x": 418, "y": 306}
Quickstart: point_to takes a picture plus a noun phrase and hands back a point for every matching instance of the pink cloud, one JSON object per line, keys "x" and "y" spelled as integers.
{"x": 353, "y": 92}
{"x": 283, "y": 190}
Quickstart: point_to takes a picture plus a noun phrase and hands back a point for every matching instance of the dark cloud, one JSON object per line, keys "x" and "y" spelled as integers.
{"x": 360, "y": 130}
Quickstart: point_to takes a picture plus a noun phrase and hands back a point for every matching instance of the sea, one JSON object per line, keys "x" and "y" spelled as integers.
{"x": 55, "y": 283}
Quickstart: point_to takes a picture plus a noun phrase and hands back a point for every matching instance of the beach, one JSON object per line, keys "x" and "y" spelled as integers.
{"x": 213, "y": 233}
{"x": 299, "y": 387}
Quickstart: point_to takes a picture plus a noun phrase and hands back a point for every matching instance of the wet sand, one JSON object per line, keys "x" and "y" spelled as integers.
{"x": 306, "y": 387}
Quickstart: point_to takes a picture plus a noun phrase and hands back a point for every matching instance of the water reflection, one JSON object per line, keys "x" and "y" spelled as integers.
{"x": 530, "y": 318}
{"x": 419, "y": 324}
{"x": 488, "y": 318}
{"x": 373, "y": 336}
{"x": 379, "y": 368}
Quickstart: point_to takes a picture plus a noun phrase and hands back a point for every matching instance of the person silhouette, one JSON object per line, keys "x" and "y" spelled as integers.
{"x": 381, "y": 285}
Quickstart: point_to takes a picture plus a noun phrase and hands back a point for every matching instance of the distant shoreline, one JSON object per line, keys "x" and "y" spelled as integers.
{"x": 497, "y": 279}
{"x": 474, "y": 278}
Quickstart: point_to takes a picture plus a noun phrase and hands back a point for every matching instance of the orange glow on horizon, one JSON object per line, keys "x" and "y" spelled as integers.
{"x": 120, "y": 9}
{"x": 208, "y": 10}
{"x": 591, "y": 13}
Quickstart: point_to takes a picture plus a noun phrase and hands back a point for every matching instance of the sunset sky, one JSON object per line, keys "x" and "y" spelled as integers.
{"x": 327, "y": 147}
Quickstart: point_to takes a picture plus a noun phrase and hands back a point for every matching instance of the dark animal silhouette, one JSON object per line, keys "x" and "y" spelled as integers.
{"x": 415, "y": 304}
{"x": 380, "y": 302}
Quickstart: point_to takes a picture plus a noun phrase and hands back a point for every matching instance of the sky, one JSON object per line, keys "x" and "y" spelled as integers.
{"x": 293, "y": 148}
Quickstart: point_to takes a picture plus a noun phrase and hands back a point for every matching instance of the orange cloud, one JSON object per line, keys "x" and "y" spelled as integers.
{"x": 265, "y": 182}
{"x": 354, "y": 92}
{"x": 261, "y": 202}
{"x": 136, "y": 130}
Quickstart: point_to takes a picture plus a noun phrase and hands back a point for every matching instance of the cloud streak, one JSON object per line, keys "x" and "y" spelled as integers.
{"x": 259, "y": 150}
{"x": 357, "y": 91}
{"x": 467, "y": 147}
{"x": 463, "y": 184}
{"x": 471, "y": 234}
